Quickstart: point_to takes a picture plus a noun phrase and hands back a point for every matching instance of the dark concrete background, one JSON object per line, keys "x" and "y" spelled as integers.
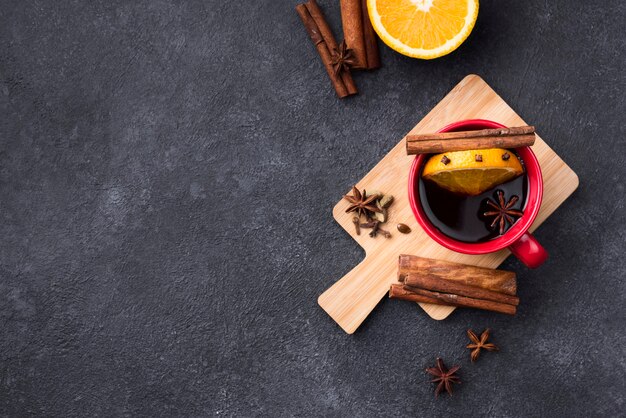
{"x": 167, "y": 173}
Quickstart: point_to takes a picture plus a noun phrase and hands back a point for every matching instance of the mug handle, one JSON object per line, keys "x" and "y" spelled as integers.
{"x": 528, "y": 250}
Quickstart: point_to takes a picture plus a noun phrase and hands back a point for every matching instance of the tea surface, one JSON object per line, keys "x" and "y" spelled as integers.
{"x": 461, "y": 217}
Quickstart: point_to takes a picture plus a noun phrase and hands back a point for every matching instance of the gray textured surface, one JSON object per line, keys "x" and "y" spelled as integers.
{"x": 167, "y": 173}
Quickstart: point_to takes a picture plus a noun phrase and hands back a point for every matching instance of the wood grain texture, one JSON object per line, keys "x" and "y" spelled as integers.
{"x": 351, "y": 299}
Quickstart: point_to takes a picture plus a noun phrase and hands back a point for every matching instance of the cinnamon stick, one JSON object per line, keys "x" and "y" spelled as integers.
{"x": 458, "y": 141}
{"x": 433, "y": 283}
{"x": 331, "y": 43}
{"x": 397, "y": 291}
{"x": 463, "y": 301}
{"x": 370, "y": 39}
{"x": 517, "y": 130}
{"x": 322, "y": 48}
{"x": 496, "y": 280}
{"x": 352, "y": 22}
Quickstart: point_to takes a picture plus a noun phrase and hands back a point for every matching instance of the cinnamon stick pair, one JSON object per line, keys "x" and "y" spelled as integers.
{"x": 425, "y": 296}
{"x": 457, "y": 141}
{"x": 327, "y": 47}
{"x": 445, "y": 283}
{"x": 359, "y": 34}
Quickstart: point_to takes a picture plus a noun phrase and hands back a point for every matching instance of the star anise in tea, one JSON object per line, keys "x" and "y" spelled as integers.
{"x": 479, "y": 343}
{"x": 503, "y": 211}
{"x": 444, "y": 377}
{"x": 342, "y": 58}
{"x": 361, "y": 203}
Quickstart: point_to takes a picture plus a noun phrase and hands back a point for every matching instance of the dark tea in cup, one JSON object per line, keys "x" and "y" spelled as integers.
{"x": 462, "y": 217}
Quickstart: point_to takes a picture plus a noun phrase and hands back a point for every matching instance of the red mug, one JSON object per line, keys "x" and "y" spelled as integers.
{"x": 517, "y": 239}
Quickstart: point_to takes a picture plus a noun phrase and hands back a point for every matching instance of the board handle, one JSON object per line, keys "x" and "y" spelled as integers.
{"x": 351, "y": 299}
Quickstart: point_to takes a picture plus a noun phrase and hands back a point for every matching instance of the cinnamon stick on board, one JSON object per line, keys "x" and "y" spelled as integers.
{"x": 370, "y": 39}
{"x": 417, "y": 295}
{"x": 433, "y": 283}
{"x": 322, "y": 48}
{"x": 458, "y": 141}
{"x": 497, "y": 280}
{"x": 352, "y": 22}
{"x": 397, "y": 291}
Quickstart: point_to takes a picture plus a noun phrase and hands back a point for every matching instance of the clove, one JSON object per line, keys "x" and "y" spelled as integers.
{"x": 369, "y": 224}
{"x": 375, "y": 229}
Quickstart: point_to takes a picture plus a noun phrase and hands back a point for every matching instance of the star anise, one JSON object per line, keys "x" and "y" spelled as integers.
{"x": 342, "y": 58}
{"x": 361, "y": 203}
{"x": 444, "y": 376}
{"x": 503, "y": 212}
{"x": 477, "y": 343}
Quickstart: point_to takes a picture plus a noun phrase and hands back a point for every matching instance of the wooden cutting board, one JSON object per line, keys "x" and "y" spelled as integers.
{"x": 350, "y": 300}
